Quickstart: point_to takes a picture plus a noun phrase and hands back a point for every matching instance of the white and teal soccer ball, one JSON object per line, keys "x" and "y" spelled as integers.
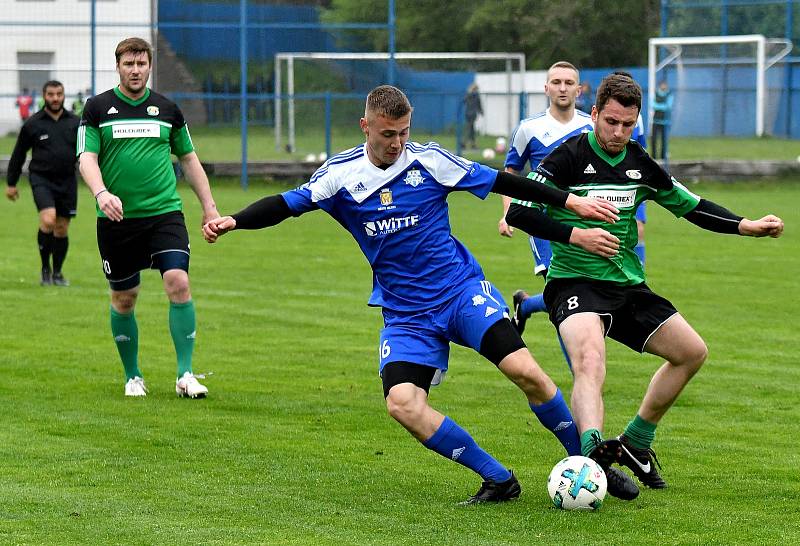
{"x": 577, "y": 483}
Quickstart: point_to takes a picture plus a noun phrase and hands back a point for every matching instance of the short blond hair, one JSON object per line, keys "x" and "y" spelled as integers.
{"x": 564, "y": 64}
{"x": 389, "y": 101}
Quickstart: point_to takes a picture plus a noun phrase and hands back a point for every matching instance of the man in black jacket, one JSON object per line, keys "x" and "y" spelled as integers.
{"x": 52, "y": 135}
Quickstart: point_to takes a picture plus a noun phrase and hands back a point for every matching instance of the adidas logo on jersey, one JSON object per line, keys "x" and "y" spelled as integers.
{"x": 112, "y": 110}
{"x": 589, "y": 169}
{"x": 360, "y": 187}
{"x": 489, "y": 311}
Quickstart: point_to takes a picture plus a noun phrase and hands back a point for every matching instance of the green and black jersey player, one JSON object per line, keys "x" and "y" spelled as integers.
{"x": 125, "y": 142}
{"x": 589, "y": 296}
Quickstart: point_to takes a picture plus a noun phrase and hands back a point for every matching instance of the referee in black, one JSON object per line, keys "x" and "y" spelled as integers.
{"x": 52, "y": 134}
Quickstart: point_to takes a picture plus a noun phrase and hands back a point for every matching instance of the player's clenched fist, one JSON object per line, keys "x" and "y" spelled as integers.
{"x": 218, "y": 226}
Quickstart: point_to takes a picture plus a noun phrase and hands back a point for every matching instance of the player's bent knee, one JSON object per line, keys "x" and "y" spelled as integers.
{"x": 499, "y": 341}
{"x": 123, "y": 302}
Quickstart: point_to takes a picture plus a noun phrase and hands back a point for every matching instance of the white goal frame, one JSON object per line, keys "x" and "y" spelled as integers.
{"x": 509, "y": 58}
{"x": 762, "y": 63}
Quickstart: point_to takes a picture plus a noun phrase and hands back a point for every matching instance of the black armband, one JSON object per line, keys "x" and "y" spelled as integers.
{"x": 263, "y": 213}
{"x": 537, "y": 223}
{"x": 526, "y": 189}
{"x": 708, "y": 215}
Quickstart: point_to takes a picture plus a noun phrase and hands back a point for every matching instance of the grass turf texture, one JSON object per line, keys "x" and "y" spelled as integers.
{"x": 293, "y": 445}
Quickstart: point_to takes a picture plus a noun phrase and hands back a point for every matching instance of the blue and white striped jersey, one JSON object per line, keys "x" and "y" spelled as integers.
{"x": 537, "y": 136}
{"x": 399, "y": 218}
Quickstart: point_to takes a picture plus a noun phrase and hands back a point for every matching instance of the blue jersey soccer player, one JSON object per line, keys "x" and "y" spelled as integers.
{"x": 391, "y": 195}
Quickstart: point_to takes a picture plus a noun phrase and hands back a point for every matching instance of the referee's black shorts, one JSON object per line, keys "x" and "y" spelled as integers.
{"x": 154, "y": 242}
{"x": 60, "y": 193}
{"x": 631, "y": 314}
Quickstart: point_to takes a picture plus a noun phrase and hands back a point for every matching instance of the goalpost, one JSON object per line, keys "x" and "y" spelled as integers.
{"x": 509, "y": 58}
{"x": 746, "y": 53}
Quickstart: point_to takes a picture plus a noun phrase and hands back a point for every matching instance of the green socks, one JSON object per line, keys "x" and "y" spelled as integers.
{"x": 182, "y": 328}
{"x": 640, "y": 433}
{"x": 589, "y": 440}
{"x": 126, "y": 336}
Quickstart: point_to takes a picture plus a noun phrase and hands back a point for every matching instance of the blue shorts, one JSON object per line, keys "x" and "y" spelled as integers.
{"x": 423, "y": 337}
{"x": 641, "y": 213}
{"x": 542, "y": 254}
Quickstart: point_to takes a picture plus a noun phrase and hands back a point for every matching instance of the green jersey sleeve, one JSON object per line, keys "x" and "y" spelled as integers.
{"x": 180, "y": 142}
{"x": 677, "y": 199}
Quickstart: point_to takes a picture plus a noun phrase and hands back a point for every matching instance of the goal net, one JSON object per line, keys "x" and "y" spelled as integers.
{"x": 721, "y": 85}
{"x": 321, "y": 95}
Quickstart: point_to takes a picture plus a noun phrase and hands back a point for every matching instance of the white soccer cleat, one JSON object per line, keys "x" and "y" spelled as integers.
{"x": 135, "y": 387}
{"x": 187, "y": 385}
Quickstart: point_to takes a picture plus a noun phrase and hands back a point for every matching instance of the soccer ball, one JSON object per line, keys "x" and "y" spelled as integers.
{"x": 488, "y": 153}
{"x": 577, "y": 483}
{"x": 500, "y": 145}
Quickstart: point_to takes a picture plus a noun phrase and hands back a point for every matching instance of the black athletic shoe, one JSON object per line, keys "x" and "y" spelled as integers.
{"x": 492, "y": 491}
{"x": 518, "y": 321}
{"x": 59, "y": 280}
{"x": 642, "y": 462}
{"x": 606, "y": 453}
{"x": 47, "y": 278}
{"x": 620, "y": 485}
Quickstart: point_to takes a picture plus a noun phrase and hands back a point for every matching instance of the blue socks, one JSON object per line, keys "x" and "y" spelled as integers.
{"x": 532, "y": 304}
{"x": 639, "y": 250}
{"x": 453, "y": 442}
{"x": 556, "y": 417}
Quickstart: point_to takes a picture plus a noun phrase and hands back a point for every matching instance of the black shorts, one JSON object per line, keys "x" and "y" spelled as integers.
{"x": 59, "y": 193}
{"x": 631, "y": 314}
{"x": 155, "y": 242}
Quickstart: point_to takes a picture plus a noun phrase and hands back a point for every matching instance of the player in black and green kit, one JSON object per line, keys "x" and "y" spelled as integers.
{"x": 590, "y": 296}
{"x": 125, "y": 142}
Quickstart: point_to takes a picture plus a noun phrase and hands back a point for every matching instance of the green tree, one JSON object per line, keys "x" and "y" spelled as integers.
{"x": 587, "y": 32}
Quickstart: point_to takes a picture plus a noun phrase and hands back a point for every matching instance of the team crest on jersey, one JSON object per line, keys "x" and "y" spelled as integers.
{"x": 414, "y": 178}
{"x": 152, "y": 110}
{"x": 386, "y": 197}
{"x": 634, "y": 174}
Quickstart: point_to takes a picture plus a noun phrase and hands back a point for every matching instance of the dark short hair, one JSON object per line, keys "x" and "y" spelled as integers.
{"x": 389, "y": 101}
{"x": 621, "y": 87}
{"x": 133, "y": 45}
{"x": 51, "y": 83}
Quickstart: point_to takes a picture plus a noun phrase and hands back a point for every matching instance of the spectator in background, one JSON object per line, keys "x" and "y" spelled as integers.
{"x": 585, "y": 100}
{"x": 24, "y": 102}
{"x": 662, "y": 110}
{"x": 77, "y": 104}
{"x": 472, "y": 109}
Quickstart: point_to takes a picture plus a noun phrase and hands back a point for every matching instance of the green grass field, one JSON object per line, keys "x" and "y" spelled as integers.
{"x": 224, "y": 144}
{"x": 293, "y": 445}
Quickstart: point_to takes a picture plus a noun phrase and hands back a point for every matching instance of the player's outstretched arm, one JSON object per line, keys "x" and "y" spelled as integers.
{"x": 265, "y": 212}
{"x": 708, "y": 215}
{"x": 527, "y": 190}
{"x": 538, "y": 224}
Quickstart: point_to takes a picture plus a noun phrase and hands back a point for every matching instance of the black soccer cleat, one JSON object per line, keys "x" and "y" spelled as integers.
{"x": 59, "y": 280}
{"x": 606, "y": 453}
{"x": 620, "y": 485}
{"x": 492, "y": 491}
{"x": 518, "y": 321}
{"x": 642, "y": 462}
{"x": 47, "y": 278}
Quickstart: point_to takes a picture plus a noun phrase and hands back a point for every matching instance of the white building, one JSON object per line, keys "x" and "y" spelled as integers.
{"x": 51, "y": 39}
